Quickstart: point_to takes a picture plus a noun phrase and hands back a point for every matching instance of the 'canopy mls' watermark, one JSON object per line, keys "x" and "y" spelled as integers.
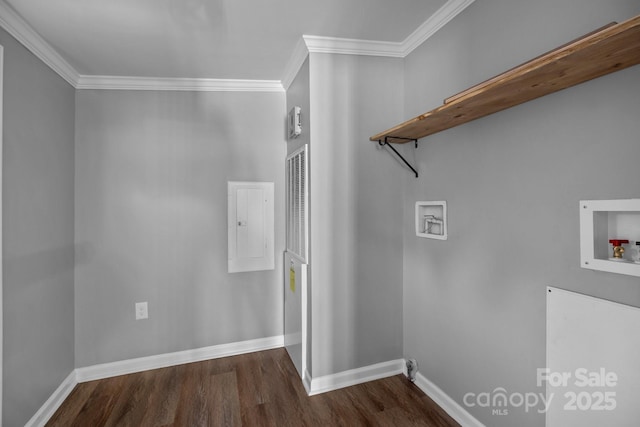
{"x": 593, "y": 393}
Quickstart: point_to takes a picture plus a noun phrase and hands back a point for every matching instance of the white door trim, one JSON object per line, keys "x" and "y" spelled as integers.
{"x": 1, "y": 256}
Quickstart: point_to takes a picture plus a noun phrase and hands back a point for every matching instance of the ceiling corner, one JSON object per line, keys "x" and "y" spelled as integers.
{"x": 27, "y": 36}
{"x": 299, "y": 55}
{"x": 318, "y": 44}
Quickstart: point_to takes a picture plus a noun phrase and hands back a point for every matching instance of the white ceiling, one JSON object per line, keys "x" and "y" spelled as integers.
{"x": 208, "y": 39}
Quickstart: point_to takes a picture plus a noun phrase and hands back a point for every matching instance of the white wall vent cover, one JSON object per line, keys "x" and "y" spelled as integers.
{"x": 297, "y": 203}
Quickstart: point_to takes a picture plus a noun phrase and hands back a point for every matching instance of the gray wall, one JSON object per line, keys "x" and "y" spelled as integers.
{"x": 356, "y": 213}
{"x": 474, "y": 305}
{"x": 151, "y": 214}
{"x": 298, "y": 95}
{"x": 38, "y": 232}
{"x": 150, "y": 211}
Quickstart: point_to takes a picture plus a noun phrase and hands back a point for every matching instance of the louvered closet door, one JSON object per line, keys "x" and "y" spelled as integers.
{"x": 295, "y": 259}
{"x": 297, "y": 203}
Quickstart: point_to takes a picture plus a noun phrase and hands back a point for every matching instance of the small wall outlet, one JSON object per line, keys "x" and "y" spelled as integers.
{"x": 142, "y": 311}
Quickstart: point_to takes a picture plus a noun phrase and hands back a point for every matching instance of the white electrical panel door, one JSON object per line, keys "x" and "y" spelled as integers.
{"x": 250, "y": 226}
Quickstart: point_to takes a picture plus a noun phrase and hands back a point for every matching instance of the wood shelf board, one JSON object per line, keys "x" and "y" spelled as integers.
{"x": 610, "y": 49}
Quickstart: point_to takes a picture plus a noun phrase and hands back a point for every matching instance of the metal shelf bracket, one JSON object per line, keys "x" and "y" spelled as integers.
{"x": 386, "y": 142}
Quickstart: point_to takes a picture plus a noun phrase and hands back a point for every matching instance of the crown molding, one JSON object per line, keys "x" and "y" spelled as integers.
{"x": 25, "y": 34}
{"x": 439, "y": 19}
{"x": 177, "y": 84}
{"x": 446, "y": 13}
{"x": 319, "y": 44}
{"x": 299, "y": 55}
{"x": 17, "y": 27}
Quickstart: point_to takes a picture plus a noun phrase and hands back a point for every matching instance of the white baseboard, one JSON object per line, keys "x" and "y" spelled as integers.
{"x": 306, "y": 381}
{"x": 52, "y": 404}
{"x": 388, "y": 369}
{"x": 354, "y": 376}
{"x": 450, "y": 406}
{"x": 107, "y": 370}
{"x": 312, "y": 385}
{"x": 123, "y": 367}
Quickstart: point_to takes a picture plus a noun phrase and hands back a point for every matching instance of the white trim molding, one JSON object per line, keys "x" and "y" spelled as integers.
{"x": 319, "y": 44}
{"x": 313, "y": 386}
{"x": 15, "y": 25}
{"x": 450, "y": 406}
{"x": 306, "y": 381}
{"x": 1, "y": 234}
{"x": 177, "y": 84}
{"x": 108, "y": 370}
{"x": 52, "y": 404}
{"x": 299, "y": 55}
{"x": 25, "y": 34}
{"x": 446, "y": 13}
{"x": 353, "y": 376}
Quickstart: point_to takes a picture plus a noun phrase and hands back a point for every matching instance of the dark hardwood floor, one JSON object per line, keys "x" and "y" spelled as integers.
{"x": 256, "y": 389}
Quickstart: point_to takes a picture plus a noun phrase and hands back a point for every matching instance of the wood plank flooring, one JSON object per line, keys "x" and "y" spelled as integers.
{"x": 256, "y": 389}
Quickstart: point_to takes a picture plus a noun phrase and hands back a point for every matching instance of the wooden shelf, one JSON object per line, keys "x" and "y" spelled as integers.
{"x": 604, "y": 51}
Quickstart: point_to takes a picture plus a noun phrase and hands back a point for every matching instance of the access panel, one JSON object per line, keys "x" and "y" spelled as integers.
{"x": 250, "y": 226}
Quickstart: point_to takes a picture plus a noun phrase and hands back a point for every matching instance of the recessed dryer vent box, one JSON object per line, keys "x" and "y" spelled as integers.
{"x": 602, "y": 221}
{"x": 431, "y": 220}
